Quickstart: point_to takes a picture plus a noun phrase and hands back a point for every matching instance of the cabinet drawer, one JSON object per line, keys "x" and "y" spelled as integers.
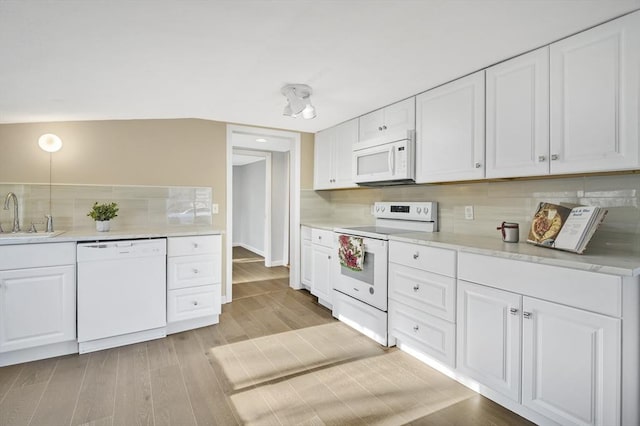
{"x": 200, "y": 244}
{"x": 425, "y": 291}
{"x": 432, "y": 336}
{"x": 437, "y": 260}
{"x": 188, "y": 271}
{"x": 322, "y": 237}
{"x": 592, "y": 291}
{"x": 189, "y": 303}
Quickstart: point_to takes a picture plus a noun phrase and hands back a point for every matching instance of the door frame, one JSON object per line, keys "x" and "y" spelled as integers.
{"x": 294, "y": 202}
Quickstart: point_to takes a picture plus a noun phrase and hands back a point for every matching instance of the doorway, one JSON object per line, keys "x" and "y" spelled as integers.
{"x": 263, "y": 204}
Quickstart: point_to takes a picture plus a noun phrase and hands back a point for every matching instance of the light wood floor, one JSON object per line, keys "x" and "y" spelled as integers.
{"x": 277, "y": 357}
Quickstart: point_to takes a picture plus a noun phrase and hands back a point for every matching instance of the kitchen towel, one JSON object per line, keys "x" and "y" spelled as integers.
{"x": 351, "y": 252}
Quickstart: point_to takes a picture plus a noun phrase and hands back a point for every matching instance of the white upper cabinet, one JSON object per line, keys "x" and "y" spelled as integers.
{"x": 450, "y": 131}
{"x": 398, "y": 116}
{"x": 594, "y": 98}
{"x": 518, "y": 116}
{"x": 333, "y": 156}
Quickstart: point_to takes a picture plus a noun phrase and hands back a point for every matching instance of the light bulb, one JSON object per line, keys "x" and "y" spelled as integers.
{"x": 50, "y": 142}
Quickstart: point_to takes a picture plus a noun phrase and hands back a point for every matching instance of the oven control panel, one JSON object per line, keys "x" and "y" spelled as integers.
{"x": 426, "y": 211}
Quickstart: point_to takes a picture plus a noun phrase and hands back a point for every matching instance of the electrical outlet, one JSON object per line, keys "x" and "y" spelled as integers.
{"x": 214, "y": 209}
{"x": 468, "y": 212}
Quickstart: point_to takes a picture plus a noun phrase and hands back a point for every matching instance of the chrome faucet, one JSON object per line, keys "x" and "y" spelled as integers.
{"x": 16, "y": 219}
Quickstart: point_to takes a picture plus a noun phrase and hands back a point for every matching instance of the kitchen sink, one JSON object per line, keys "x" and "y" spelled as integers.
{"x": 31, "y": 235}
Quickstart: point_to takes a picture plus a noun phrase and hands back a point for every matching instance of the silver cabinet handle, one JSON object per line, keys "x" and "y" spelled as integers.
{"x": 319, "y": 237}
{"x": 554, "y": 157}
{"x": 477, "y": 165}
{"x": 416, "y": 255}
{"x": 416, "y": 287}
{"x": 384, "y": 127}
{"x": 416, "y": 328}
{"x": 527, "y": 315}
{"x": 541, "y": 158}
{"x": 513, "y": 311}
{"x": 379, "y": 128}
{"x": 329, "y": 257}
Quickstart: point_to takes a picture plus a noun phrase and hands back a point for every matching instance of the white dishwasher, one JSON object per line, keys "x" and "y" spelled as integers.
{"x": 121, "y": 292}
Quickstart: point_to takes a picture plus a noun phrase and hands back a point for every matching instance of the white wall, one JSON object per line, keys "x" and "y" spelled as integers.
{"x": 279, "y": 206}
{"x": 249, "y": 206}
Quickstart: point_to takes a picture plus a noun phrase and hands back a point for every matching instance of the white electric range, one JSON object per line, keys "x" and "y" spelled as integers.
{"x": 360, "y": 297}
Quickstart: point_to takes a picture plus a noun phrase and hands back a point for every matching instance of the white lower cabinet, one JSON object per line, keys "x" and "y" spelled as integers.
{"x": 37, "y": 302}
{"x": 194, "y": 275}
{"x": 306, "y": 260}
{"x": 37, "y": 307}
{"x": 489, "y": 333}
{"x": 570, "y": 364}
{"x": 323, "y": 261}
{"x": 557, "y": 361}
{"x": 422, "y": 291}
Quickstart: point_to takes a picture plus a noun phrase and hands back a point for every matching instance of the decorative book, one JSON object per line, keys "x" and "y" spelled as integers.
{"x": 565, "y": 228}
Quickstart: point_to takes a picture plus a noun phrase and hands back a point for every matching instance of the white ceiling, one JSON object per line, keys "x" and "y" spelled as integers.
{"x": 227, "y": 60}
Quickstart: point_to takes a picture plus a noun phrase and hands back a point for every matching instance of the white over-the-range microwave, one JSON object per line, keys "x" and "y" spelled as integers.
{"x": 387, "y": 160}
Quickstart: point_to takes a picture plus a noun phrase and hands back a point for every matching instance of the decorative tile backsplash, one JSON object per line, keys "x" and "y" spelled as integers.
{"x": 140, "y": 206}
{"x": 494, "y": 202}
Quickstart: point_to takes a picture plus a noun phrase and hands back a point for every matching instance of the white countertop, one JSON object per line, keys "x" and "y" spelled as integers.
{"x": 114, "y": 234}
{"x": 596, "y": 259}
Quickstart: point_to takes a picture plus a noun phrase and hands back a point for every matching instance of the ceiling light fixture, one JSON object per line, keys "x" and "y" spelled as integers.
{"x": 299, "y": 101}
{"x": 261, "y": 140}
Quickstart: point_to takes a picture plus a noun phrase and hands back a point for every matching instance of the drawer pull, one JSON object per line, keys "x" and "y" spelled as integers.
{"x": 527, "y": 315}
{"x": 513, "y": 311}
{"x": 416, "y": 287}
{"x": 416, "y": 255}
{"x": 416, "y": 328}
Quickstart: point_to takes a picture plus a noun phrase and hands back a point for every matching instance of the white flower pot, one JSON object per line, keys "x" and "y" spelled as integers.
{"x": 103, "y": 225}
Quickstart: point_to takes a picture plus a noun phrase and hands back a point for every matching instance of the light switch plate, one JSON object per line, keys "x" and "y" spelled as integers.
{"x": 214, "y": 209}
{"x": 468, "y": 212}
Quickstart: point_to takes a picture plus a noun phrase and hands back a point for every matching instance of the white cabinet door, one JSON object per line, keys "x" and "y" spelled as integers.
{"x": 488, "y": 337}
{"x": 322, "y": 272}
{"x": 595, "y": 92}
{"x": 395, "y": 117}
{"x": 37, "y": 307}
{"x": 450, "y": 131}
{"x": 323, "y": 159}
{"x": 307, "y": 263}
{"x": 571, "y": 364}
{"x": 346, "y": 136}
{"x": 332, "y": 164}
{"x": 518, "y": 116}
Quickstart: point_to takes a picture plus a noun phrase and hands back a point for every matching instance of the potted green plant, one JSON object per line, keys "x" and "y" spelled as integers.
{"x": 102, "y": 214}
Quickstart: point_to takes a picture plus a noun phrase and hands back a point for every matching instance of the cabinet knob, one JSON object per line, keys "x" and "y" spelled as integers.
{"x": 513, "y": 311}
{"x": 527, "y": 315}
{"x": 195, "y": 303}
{"x": 195, "y": 245}
{"x": 541, "y": 158}
{"x": 554, "y": 157}
{"x": 196, "y": 271}
{"x": 416, "y": 255}
{"x": 329, "y": 257}
{"x": 416, "y": 328}
{"x": 416, "y": 287}
{"x": 384, "y": 127}
{"x": 477, "y": 165}
{"x": 380, "y": 128}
